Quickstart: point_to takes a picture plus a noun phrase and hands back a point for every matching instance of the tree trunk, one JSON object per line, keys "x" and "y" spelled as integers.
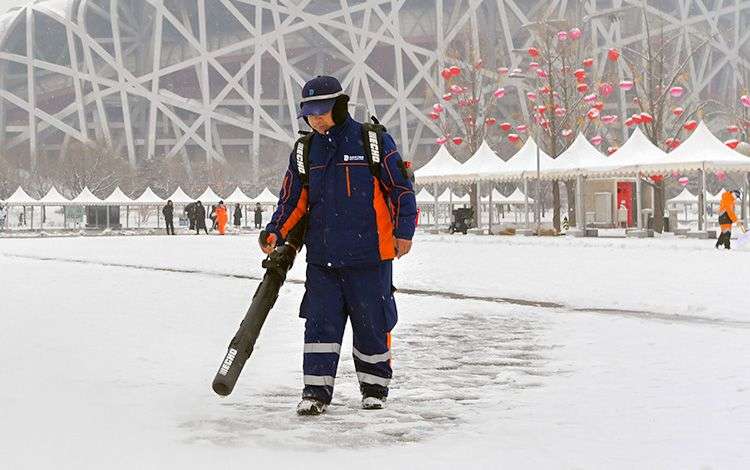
{"x": 570, "y": 190}
{"x": 474, "y": 202}
{"x": 556, "y": 205}
{"x": 658, "y": 207}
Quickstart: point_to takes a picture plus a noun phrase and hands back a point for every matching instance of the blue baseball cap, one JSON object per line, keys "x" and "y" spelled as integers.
{"x": 319, "y": 95}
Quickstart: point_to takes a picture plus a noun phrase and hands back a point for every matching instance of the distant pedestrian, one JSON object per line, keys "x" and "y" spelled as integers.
{"x": 168, "y": 212}
{"x": 200, "y": 218}
{"x": 190, "y": 213}
{"x": 222, "y": 217}
{"x": 237, "y": 216}
{"x": 212, "y": 216}
{"x": 258, "y": 215}
{"x": 727, "y": 217}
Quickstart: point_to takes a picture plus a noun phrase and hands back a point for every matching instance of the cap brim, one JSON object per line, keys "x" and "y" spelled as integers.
{"x": 316, "y": 108}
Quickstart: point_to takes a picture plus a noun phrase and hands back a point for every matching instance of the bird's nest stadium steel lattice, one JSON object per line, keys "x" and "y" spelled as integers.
{"x": 219, "y": 79}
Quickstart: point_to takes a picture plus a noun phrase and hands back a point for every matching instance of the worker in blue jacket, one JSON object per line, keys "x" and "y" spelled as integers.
{"x": 361, "y": 214}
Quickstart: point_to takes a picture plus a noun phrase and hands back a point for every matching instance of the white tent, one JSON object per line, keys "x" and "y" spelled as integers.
{"x": 577, "y": 159}
{"x": 424, "y": 197}
{"x": 703, "y": 150}
{"x": 637, "y": 153}
{"x": 179, "y": 197}
{"x": 117, "y": 198}
{"x": 148, "y": 198}
{"x": 54, "y": 198}
{"x": 239, "y": 197}
{"x": 497, "y": 197}
{"x": 20, "y": 198}
{"x": 523, "y": 163}
{"x": 86, "y": 198}
{"x": 715, "y": 198}
{"x": 685, "y": 197}
{"x": 446, "y": 197}
{"x": 441, "y": 167}
{"x": 266, "y": 197}
{"x": 484, "y": 162}
{"x": 518, "y": 197}
{"x": 209, "y": 197}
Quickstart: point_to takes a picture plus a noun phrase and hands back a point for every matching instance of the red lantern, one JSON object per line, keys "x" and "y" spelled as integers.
{"x": 626, "y": 85}
{"x": 531, "y": 96}
{"x": 657, "y": 178}
{"x": 521, "y": 128}
{"x": 533, "y": 65}
{"x": 676, "y": 91}
{"x": 672, "y": 143}
{"x": 437, "y": 108}
{"x": 513, "y": 138}
{"x": 455, "y": 71}
{"x": 732, "y": 143}
{"x": 592, "y": 114}
{"x": 533, "y": 52}
{"x": 678, "y": 111}
{"x": 629, "y": 122}
{"x": 720, "y": 175}
{"x": 745, "y": 100}
{"x": 636, "y": 118}
{"x": 582, "y": 88}
{"x": 499, "y": 93}
{"x": 609, "y": 119}
{"x": 505, "y": 126}
{"x": 596, "y": 140}
{"x": 588, "y": 63}
{"x": 456, "y": 90}
{"x": 606, "y": 89}
{"x": 434, "y": 116}
{"x": 490, "y": 121}
{"x": 541, "y": 109}
{"x": 613, "y": 55}
{"x": 733, "y": 129}
{"x": 646, "y": 118}
{"x": 599, "y": 105}
{"x": 446, "y": 74}
{"x": 503, "y": 70}
{"x": 575, "y": 34}
{"x": 580, "y": 74}
{"x": 441, "y": 140}
{"x": 541, "y": 73}
{"x": 611, "y": 150}
{"x": 458, "y": 140}
{"x": 683, "y": 181}
{"x": 560, "y": 112}
{"x": 690, "y": 125}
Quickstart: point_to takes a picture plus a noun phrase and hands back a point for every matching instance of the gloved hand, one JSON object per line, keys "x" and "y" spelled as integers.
{"x": 267, "y": 241}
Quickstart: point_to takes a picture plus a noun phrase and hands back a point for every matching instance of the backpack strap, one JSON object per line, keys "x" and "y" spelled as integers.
{"x": 302, "y": 154}
{"x": 372, "y": 137}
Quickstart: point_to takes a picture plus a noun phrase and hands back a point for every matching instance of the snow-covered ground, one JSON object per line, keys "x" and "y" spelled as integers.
{"x": 510, "y": 353}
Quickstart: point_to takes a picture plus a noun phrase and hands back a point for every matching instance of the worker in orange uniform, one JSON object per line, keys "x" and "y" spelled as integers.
{"x": 222, "y": 217}
{"x": 727, "y": 217}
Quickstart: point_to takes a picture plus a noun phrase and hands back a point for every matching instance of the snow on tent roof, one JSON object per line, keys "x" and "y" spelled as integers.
{"x": 239, "y": 197}
{"x": 209, "y": 196}
{"x": 148, "y": 198}
{"x": 446, "y": 197}
{"x": 180, "y": 197}
{"x": 497, "y": 197}
{"x": 636, "y": 153}
{"x": 54, "y": 198}
{"x": 517, "y": 198}
{"x": 523, "y": 163}
{"x": 117, "y": 198}
{"x": 266, "y": 197}
{"x": 424, "y": 196}
{"x": 441, "y": 167}
{"x": 704, "y": 150}
{"x": 577, "y": 159}
{"x": 59, "y": 8}
{"x": 685, "y": 197}
{"x": 20, "y": 198}
{"x": 484, "y": 162}
{"x": 87, "y": 198}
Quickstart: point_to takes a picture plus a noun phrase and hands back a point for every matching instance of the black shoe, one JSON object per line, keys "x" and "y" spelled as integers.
{"x": 310, "y": 406}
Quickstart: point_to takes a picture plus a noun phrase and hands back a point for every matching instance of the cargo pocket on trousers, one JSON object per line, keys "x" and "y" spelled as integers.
{"x": 390, "y": 311}
{"x": 304, "y": 306}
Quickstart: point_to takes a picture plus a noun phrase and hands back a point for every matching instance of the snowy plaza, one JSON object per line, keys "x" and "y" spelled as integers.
{"x": 510, "y": 352}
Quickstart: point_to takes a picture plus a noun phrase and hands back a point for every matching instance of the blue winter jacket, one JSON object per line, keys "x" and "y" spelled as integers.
{"x": 353, "y": 217}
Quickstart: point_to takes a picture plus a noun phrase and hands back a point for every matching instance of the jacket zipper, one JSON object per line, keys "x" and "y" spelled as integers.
{"x": 348, "y": 183}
